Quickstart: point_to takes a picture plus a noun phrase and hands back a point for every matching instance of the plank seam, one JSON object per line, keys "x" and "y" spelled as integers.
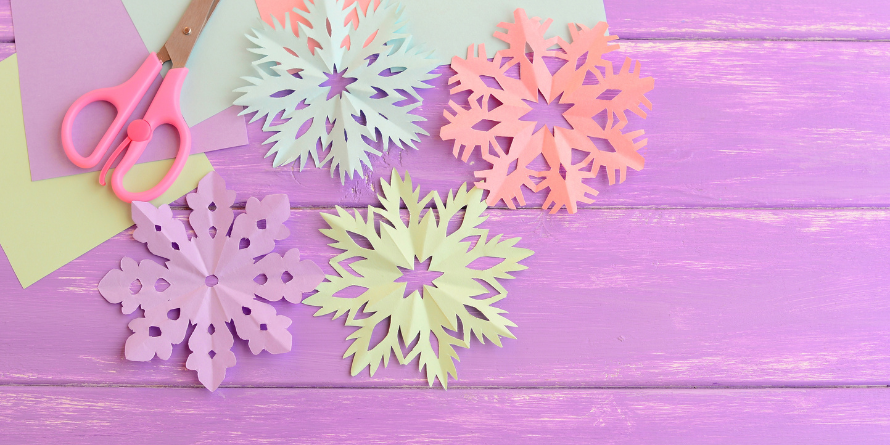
{"x": 460, "y": 388}
{"x": 721, "y": 39}
{"x": 616, "y": 208}
{"x": 753, "y": 39}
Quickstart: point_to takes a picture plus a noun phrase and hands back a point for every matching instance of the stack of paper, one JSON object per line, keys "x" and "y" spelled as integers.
{"x": 54, "y": 211}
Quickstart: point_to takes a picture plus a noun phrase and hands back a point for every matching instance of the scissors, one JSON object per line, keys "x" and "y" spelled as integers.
{"x": 164, "y": 108}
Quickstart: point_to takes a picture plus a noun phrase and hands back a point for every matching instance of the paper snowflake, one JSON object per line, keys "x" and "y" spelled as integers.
{"x": 457, "y": 301}
{"x": 585, "y": 88}
{"x": 337, "y": 97}
{"x": 210, "y": 279}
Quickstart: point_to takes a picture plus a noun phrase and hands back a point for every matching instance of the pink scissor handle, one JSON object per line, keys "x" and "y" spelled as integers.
{"x": 125, "y": 97}
{"x": 164, "y": 110}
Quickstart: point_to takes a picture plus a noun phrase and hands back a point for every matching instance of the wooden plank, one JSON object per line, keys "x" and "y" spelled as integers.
{"x": 697, "y": 19}
{"x": 6, "y": 33}
{"x": 726, "y": 132}
{"x": 6, "y": 50}
{"x": 479, "y": 416}
{"x": 735, "y": 124}
{"x": 720, "y": 19}
{"x": 611, "y": 298}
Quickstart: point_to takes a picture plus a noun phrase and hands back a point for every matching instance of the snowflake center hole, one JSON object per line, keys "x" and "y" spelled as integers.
{"x": 337, "y": 82}
{"x": 418, "y": 277}
{"x": 211, "y": 280}
{"x": 549, "y": 114}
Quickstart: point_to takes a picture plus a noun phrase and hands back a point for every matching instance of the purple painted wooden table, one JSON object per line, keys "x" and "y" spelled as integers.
{"x": 735, "y": 291}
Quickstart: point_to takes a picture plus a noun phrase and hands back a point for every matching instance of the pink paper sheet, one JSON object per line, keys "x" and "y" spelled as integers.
{"x": 66, "y": 49}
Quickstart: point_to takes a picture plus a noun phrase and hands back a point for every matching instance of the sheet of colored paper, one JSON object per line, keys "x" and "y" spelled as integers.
{"x": 219, "y": 59}
{"x": 47, "y": 224}
{"x": 449, "y": 27}
{"x": 66, "y": 49}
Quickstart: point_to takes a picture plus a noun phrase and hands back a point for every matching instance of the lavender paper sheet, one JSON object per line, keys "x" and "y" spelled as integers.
{"x": 68, "y": 48}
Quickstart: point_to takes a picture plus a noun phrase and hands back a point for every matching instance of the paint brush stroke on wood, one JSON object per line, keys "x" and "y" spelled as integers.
{"x": 67, "y": 49}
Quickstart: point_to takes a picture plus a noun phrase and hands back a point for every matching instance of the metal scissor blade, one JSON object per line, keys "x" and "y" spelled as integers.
{"x": 179, "y": 46}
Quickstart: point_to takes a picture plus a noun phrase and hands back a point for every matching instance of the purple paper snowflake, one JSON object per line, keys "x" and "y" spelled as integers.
{"x": 210, "y": 279}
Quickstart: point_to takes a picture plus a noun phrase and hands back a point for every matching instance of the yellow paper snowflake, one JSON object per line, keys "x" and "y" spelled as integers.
{"x": 457, "y": 301}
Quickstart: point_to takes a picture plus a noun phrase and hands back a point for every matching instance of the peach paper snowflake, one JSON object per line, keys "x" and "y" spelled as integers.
{"x": 210, "y": 280}
{"x": 593, "y": 97}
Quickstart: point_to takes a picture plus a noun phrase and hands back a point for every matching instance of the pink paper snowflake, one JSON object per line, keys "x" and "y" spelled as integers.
{"x": 585, "y": 88}
{"x": 210, "y": 279}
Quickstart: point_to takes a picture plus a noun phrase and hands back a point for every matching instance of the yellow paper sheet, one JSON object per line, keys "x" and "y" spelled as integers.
{"x": 47, "y": 224}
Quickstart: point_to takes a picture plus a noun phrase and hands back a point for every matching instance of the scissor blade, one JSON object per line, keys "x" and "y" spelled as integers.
{"x": 179, "y": 46}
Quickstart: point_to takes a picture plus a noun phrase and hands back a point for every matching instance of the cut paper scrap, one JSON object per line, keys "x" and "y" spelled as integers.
{"x": 449, "y": 27}
{"x": 47, "y": 224}
{"x": 337, "y": 101}
{"x": 66, "y": 49}
{"x": 455, "y": 305}
{"x": 218, "y": 60}
{"x": 510, "y": 120}
{"x": 210, "y": 279}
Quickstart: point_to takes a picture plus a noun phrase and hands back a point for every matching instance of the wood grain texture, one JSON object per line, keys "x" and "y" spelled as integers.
{"x": 801, "y": 126}
{"x": 735, "y": 124}
{"x": 6, "y": 33}
{"x": 611, "y": 298}
{"x": 6, "y": 50}
{"x": 524, "y": 416}
{"x": 759, "y": 269}
{"x": 717, "y": 19}
{"x": 731, "y": 19}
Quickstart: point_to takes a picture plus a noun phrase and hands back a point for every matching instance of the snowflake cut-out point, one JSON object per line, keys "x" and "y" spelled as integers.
{"x": 460, "y": 300}
{"x": 210, "y": 280}
{"x": 596, "y": 97}
{"x": 303, "y": 78}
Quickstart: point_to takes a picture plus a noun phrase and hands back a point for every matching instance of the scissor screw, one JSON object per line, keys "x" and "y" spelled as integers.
{"x": 186, "y": 30}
